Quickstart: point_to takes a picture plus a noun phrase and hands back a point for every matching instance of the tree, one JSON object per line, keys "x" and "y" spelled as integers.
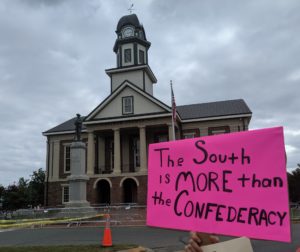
{"x": 2, "y": 189}
{"x": 14, "y": 196}
{"x": 25, "y": 193}
{"x": 294, "y": 184}
{"x": 36, "y": 188}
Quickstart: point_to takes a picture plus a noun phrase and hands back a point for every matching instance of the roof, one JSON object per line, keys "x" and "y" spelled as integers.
{"x": 131, "y": 19}
{"x": 66, "y": 126}
{"x": 213, "y": 109}
{"x": 145, "y": 67}
{"x": 186, "y": 112}
{"x": 139, "y": 37}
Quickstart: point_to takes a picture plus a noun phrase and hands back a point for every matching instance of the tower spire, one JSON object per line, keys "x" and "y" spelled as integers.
{"x": 130, "y": 9}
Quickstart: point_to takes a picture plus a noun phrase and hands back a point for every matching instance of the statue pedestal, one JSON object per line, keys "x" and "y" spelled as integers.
{"x": 78, "y": 178}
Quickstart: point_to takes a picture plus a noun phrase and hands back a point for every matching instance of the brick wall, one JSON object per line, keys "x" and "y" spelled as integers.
{"x": 142, "y": 190}
{"x": 116, "y": 192}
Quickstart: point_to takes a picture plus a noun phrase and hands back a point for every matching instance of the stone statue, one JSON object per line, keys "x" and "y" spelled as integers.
{"x": 78, "y": 127}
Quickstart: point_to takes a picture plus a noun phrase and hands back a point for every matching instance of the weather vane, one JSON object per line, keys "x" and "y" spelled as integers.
{"x": 130, "y": 9}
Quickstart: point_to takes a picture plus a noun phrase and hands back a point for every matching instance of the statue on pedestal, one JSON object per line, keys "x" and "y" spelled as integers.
{"x": 78, "y": 127}
{"x": 78, "y": 178}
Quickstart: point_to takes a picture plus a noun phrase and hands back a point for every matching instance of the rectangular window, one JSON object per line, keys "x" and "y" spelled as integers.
{"x": 188, "y": 135}
{"x": 67, "y": 158}
{"x": 127, "y": 105}
{"x": 218, "y": 130}
{"x": 127, "y": 55}
{"x": 162, "y": 138}
{"x": 141, "y": 57}
{"x": 65, "y": 194}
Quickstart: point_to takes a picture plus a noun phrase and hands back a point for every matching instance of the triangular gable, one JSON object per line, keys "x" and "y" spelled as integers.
{"x": 144, "y": 104}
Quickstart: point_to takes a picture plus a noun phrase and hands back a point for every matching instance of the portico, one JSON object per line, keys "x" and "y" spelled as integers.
{"x": 121, "y": 148}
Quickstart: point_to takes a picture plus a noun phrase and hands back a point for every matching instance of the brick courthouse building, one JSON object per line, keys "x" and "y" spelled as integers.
{"x": 118, "y": 131}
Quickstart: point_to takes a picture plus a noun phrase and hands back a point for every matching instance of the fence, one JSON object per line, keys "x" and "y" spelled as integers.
{"x": 122, "y": 214}
{"x": 295, "y": 213}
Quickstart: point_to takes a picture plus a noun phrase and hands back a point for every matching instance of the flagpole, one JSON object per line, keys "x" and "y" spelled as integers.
{"x": 173, "y": 109}
{"x": 173, "y": 126}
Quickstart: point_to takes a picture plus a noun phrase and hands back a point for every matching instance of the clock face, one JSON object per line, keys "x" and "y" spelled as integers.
{"x": 127, "y": 32}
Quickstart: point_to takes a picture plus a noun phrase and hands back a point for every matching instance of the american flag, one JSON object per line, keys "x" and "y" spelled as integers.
{"x": 173, "y": 104}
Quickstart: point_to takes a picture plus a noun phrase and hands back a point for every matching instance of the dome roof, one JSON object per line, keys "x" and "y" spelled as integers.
{"x": 131, "y": 19}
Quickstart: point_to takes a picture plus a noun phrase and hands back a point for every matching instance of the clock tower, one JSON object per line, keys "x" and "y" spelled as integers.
{"x": 131, "y": 49}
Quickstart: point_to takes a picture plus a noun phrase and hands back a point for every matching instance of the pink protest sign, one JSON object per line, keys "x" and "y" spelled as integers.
{"x": 232, "y": 184}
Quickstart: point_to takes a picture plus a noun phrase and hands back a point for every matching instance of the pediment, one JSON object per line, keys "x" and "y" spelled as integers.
{"x": 143, "y": 104}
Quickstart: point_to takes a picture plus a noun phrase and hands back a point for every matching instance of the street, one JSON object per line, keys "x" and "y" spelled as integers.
{"x": 144, "y": 236}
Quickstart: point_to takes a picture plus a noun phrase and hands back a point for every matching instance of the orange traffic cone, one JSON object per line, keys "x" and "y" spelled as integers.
{"x": 107, "y": 239}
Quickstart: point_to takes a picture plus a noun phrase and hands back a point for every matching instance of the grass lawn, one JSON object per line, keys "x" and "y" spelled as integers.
{"x": 79, "y": 248}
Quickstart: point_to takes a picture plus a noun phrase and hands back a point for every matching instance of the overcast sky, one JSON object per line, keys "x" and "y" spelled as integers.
{"x": 53, "y": 54}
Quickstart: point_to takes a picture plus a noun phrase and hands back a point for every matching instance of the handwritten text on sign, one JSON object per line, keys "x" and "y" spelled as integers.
{"x": 232, "y": 184}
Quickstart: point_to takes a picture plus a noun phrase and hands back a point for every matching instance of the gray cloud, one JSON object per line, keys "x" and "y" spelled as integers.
{"x": 53, "y": 55}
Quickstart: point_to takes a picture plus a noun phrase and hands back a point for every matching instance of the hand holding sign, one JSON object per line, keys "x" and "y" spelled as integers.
{"x": 233, "y": 184}
{"x": 197, "y": 240}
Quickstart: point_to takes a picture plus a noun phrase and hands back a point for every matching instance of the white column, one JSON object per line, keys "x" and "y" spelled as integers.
{"x": 91, "y": 153}
{"x": 50, "y": 161}
{"x": 143, "y": 149}
{"x": 117, "y": 152}
{"x": 171, "y": 138}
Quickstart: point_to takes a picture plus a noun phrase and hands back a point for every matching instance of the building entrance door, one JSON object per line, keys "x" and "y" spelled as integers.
{"x": 129, "y": 191}
{"x": 103, "y": 192}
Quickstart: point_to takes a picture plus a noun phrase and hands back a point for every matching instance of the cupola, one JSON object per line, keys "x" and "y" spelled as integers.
{"x": 131, "y": 48}
{"x": 131, "y": 45}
